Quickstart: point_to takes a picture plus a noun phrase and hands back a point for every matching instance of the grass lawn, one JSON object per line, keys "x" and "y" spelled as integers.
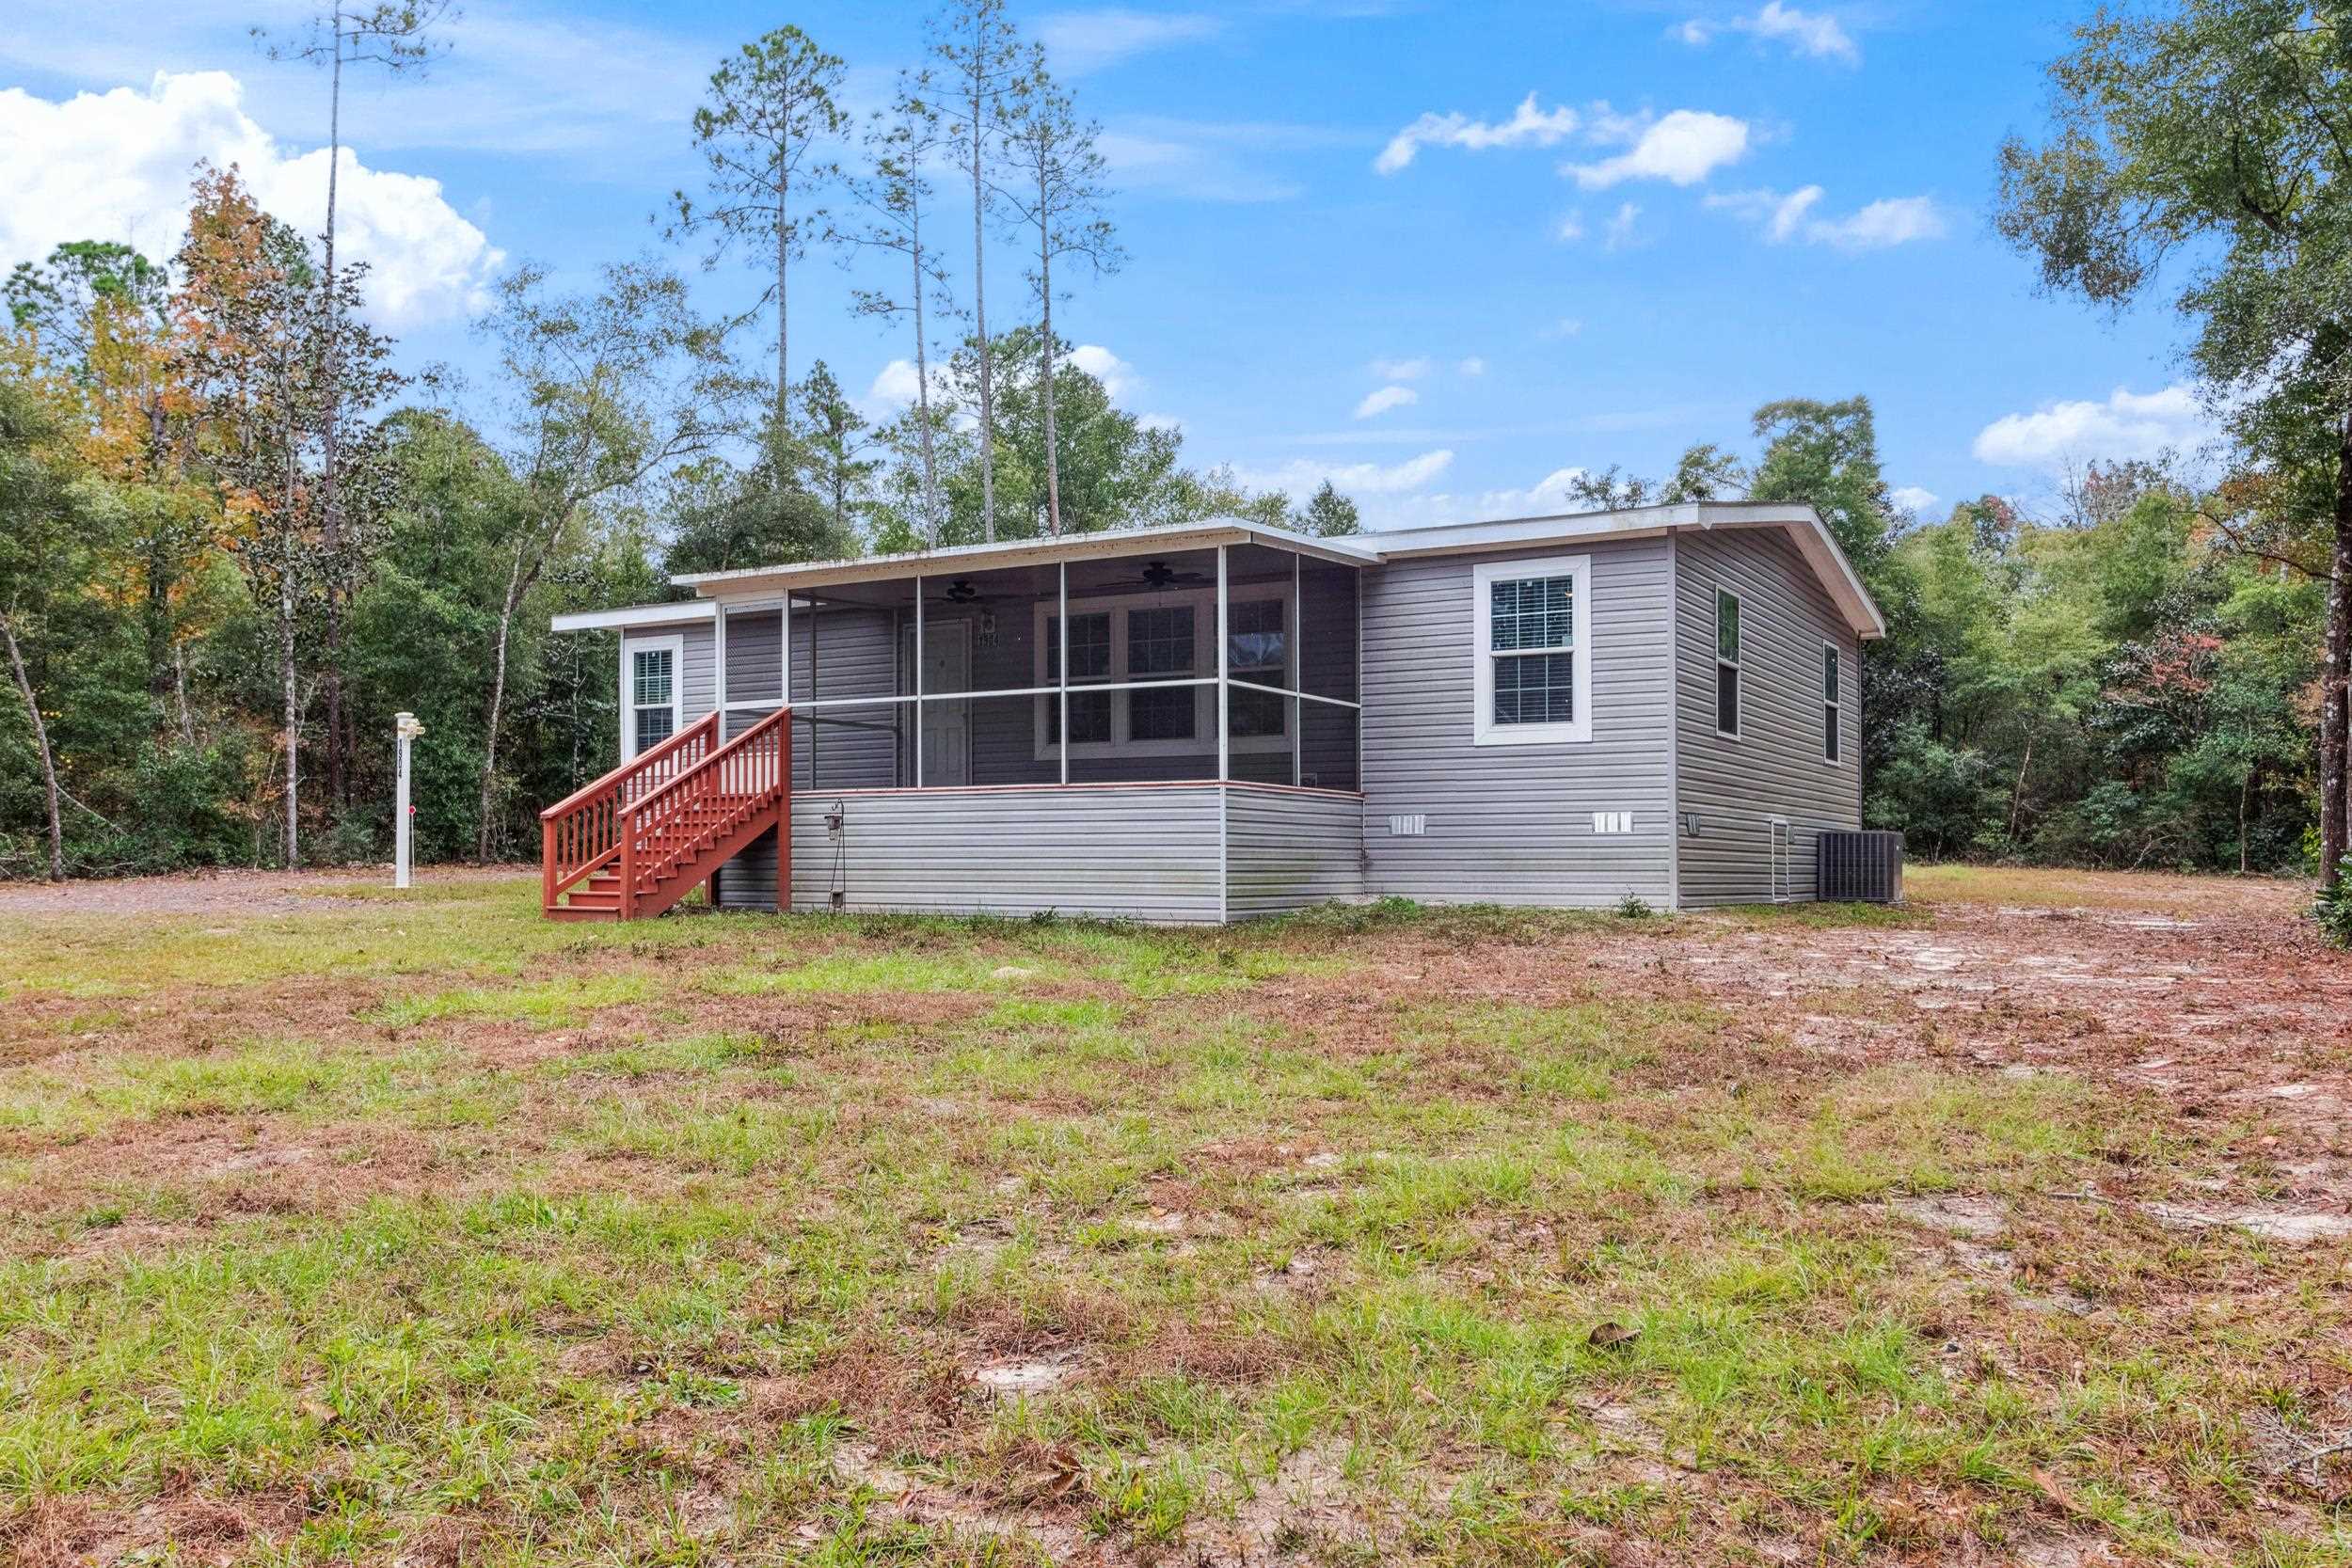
{"x": 352, "y": 1226}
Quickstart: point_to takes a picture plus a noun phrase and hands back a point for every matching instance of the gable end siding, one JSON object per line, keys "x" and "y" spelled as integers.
{"x": 1775, "y": 766}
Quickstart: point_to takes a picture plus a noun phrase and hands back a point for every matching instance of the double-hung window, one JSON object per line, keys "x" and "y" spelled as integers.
{"x": 1156, "y": 656}
{"x": 1257, "y": 649}
{"x": 1532, "y": 646}
{"x": 1832, "y": 705}
{"x": 652, "y": 688}
{"x": 1089, "y": 664}
{"x": 1727, "y": 663}
{"x": 1160, "y": 645}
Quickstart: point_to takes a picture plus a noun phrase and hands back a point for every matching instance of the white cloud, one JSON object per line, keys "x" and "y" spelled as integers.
{"x": 1117, "y": 377}
{"x": 1891, "y": 221}
{"x": 1385, "y": 399}
{"x": 1079, "y": 41}
{"x": 1527, "y": 126}
{"x": 1472, "y": 366}
{"x": 1571, "y": 229}
{"x": 1912, "y": 499}
{"x": 895, "y": 387}
{"x": 117, "y": 165}
{"x": 1620, "y": 233}
{"x": 1813, "y": 33}
{"x": 1566, "y": 326}
{"x": 1683, "y": 148}
{"x": 1896, "y": 220}
{"x": 2128, "y": 424}
{"x": 1300, "y": 475}
{"x": 1402, "y": 369}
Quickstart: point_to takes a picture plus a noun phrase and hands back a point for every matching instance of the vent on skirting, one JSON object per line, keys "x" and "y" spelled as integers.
{"x": 1612, "y": 821}
{"x": 1409, "y": 826}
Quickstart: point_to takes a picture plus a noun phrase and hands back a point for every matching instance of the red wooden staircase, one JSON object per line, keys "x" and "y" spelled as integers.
{"x": 641, "y": 837}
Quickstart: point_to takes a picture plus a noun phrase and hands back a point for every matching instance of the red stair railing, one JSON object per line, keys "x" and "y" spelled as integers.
{"x": 581, "y": 833}
{"x": 674, "y": 821}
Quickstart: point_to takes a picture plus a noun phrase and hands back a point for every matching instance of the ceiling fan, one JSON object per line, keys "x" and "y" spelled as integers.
{"x": 961, "y": 591}
{"x": 1159, "y": 574}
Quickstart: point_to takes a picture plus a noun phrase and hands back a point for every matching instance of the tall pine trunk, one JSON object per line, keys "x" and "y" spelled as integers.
{"x": 2335, "y": 707}
{"x": 294, "y": 707}
{"x": 783, "y": 380}
{"x": 338, "y": 747}
{"x": 923, "y": 386}
{"x": 980, "y": 312}
{"x": 1045, "y": 360}
{"x": 40, "y": 741}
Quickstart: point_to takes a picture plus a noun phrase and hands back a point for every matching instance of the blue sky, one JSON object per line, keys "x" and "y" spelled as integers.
{"x": 1620, "y": 226}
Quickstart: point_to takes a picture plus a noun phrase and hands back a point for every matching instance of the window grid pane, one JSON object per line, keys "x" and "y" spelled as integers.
{"x": 1535, "y": 689}
{"x": 1166, "y": 714}
{"x": 651, "y": 674}
{"x": 1829, "y": 731}
{"x": 1159, "y": 642}
{"x": 1256, "y": 642}
{"x": 1728, "y": 626}
{"x": 1089, "y": 647}
{"x": 1526, "y": 614}
{"x": 1727, "y": 698}
{"x": 654, "y": 726}
{"x": 1829, "y": 674}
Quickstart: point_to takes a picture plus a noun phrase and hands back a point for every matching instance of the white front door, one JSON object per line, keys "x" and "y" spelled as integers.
{"x": 948, "y": 726}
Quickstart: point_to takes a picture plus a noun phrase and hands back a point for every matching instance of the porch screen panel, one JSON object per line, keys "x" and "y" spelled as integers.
{"x": 1328, "y": 750}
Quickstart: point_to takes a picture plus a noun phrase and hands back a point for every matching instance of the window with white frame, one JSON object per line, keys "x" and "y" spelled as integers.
{"x": 1257, "y": 649}
{"x": 1089, "y": 664}
{"x": 651, "y": 682}
{"x": 1532, "y": 679}
{"x": 1833, "y": 683}
{"x": 1726, "y": 663}
{"x": 1164, "y": 636}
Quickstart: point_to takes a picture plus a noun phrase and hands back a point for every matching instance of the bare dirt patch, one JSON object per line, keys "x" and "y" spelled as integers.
{"x": 232, "y": 894}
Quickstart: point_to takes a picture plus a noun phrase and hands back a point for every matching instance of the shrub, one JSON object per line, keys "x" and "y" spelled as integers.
{"x": 2332, "y": 908}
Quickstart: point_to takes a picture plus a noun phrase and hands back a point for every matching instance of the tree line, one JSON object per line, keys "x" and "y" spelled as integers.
{"x": 239, "y": 537}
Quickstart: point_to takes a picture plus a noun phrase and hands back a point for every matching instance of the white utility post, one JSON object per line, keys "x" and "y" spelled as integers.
{"x": 406, "y": 728}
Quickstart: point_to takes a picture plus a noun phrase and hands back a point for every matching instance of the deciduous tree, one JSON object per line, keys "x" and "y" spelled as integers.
{"x": 2205, "y": 147}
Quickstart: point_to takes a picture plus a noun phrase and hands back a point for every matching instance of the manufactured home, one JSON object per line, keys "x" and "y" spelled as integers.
{"x": 1221, "y": 719}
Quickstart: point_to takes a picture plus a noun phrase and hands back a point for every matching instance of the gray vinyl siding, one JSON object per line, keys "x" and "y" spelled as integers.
{"x": 1513, "y": 824}
{"x": 1287, "y": 849}
{"x": 1776, "y": 767}
{"x": 1140, "y": 853}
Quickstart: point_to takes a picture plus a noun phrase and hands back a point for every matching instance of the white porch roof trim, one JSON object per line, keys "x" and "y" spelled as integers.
{"x": 1021, "y": 552}
{"x": 736, "y": 589}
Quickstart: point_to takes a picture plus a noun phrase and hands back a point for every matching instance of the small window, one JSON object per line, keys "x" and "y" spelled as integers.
{"x": 1160, "y": 645}
{"x": 1727, "y": 663}
{"x": 1534, "y": 671}
{"x": 1090, "y": 660}
{"x": 1832, "y": 705}
{"x": 1159, "y": 642}
{"x": 1257, "y": 649}
{"x": 652, "y": 696}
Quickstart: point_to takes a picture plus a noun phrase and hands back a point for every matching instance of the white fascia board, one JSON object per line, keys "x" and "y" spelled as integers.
{"x": 1804, "y": 525}
{"x": 688, "y": 613}
{"x": 1020, "y": 552}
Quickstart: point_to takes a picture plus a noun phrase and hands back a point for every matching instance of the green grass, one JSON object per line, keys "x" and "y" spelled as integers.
{"x": 695, "y": 1242}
